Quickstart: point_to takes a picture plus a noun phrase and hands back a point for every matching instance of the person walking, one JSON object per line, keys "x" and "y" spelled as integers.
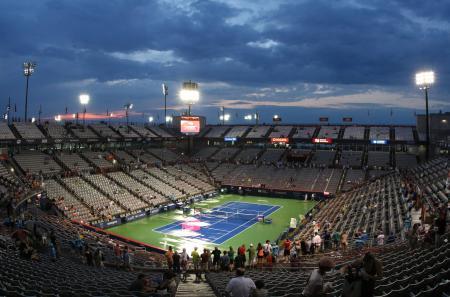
{"x": 316, "y": 286}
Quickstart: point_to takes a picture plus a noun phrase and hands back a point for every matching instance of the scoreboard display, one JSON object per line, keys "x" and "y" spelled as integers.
{"x": 189, "y": 125}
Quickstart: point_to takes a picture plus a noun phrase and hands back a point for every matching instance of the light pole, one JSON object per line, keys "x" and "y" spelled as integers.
{"x": 128, "y": 106}
{"x": 28, "y": 70}
{"x": 84, "y": 100}
{"x": 189, "y": 94}
{"x": 424, "y": 80}
{"x": 165, "y": 90}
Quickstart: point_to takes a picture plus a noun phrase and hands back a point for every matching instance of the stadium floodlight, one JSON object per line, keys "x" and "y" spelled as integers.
{"x": 58, "y": 118}
{"x": 248, "y": 117}
{"x": 169, "y": 119}
{"x": 84, "y": 100}
{"x": 225, "y": 118}
{"x": 128, "y": 106}
{"x": 28, "y": 70}
{"x": 189, "y": 94}
{"x": 424, "y": 80}
{"x": 150, "y": 119}
{"x": 33, "y": 119}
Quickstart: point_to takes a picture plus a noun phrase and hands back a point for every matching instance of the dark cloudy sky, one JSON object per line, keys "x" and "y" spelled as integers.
{"x": 300, "y": 59}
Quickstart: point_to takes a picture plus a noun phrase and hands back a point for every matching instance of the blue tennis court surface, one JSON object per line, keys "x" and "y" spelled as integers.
{"x": 220, "y": 223}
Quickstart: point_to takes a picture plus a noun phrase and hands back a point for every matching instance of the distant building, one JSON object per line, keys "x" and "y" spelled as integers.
{"x": 439, "y": 127}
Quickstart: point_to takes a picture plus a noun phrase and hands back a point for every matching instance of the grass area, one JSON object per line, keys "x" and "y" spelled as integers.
{"x": 142, "y": 230}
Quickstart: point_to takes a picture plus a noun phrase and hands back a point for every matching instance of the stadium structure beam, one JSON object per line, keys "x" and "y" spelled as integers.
{"x": 424, "y": 80}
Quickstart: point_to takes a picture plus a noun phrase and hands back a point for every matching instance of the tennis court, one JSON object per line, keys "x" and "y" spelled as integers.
{"x": 144, "y": 230}
{"x": 220, "y": 223}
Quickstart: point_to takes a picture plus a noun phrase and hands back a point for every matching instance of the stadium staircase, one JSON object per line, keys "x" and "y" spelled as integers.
{"x": 190, "y": 288}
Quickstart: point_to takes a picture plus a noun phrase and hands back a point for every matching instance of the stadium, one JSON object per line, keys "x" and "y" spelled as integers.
{"x": 184, "y": 196}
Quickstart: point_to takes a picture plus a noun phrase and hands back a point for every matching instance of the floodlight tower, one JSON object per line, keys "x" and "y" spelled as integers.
{"x": 189, "y": 94}
{"x": 84, "y": 100}
{"x": 28, "y": 70}
{"x": 128, "y": 106}
{"x": 165, "y": 90}
{"x": 424, "y": 80}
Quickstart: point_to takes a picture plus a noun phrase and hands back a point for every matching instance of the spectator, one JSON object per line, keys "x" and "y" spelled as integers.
{"x": 260, "y": 254}
{"x": 88, "y": 255}
{"x": 336, "y": 237}
{"x": 225, "y": 261}
{"x": 380, "y": 239}
{"x": 259, "y": 291}
{"x": 184, "y": 259}
{"x": 141, "y": 284}
{"x": 275, "y": 251}
{"x": 196, "y": 261}
{"x": 251, "y": 256}
{"x": 317, "y": 241}
{"x": 344, "y": 241}
{"x": 126, "y": 257}
{"x": 168, "y": 285}
{"x": 169, "y": 258}
{"x": 287, "y": 249}
{"x": 315, "y": 286}
{"x": 240, "y": 286}
{"x": 99, "y": 258}
{"x": 391, "y": 238}
{"x": 371, "y": 270}
{"x": 231, "y": 256}
{"x": 204, "y": 261}
{"x": 216, "y": 258}
{"x": 176, "y": 262}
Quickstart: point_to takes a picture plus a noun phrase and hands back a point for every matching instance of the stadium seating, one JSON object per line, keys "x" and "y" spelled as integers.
{"x": 165, "y": 154}
{"x": 73, "y": 161}
{"x": 35, "y": 162}
{"x": 160, "y": 131}
{"x": 351, "y": 158}
{"x": 353, "y": 178}
{"x": 97, "y": 201}
{"x": 144, "y": 157}
{"x": 126, "y": 131}
{"x": 324, "y": 158}
{"x": 143, "y": 131}
{"x": 83, "y": 133}
{"x": 28, "y": 131}
{"x": 270, "y": 156}
{"x": 115, "y": 192}
{"x": 237, "y": 131}
{"x": 70, "y": 206}
{"x": 56, "y": 131}
{"x": 405, "y": 160}
{"x": 205, "y": 153}
{"x": 217, "y": 132}
{"x": 141, "y": 190}
{"x": 378, "y": 159}
{"x": 329, "y": 132}
{"x": 379, "y": 133}
{"x": 225, "y": 154}
{"x": 105, "y": 131}
{"x": 98, "y": 159}
{"x": 248, "y": 155}
{"x": 161, "y": 190}
{"x": 5, "y": 132}
{"x": 304, "y": 132}
{"x": 258, "y": 132}
{"x": 404, "y": 134}
{"x": 281, "y": 131}
{"x": 354, "y": 132}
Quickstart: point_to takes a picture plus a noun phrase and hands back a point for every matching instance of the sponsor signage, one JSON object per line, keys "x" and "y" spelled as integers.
{"x": 347, "y": 120}
{"x": 323, "y": 119}
{"x": 190, "y": 125}
{"x": 279, "y": 140}
{"x": 378, "y": 141}
{"x": 230, "y": 139}
{"x": 322, "y": 140}
{"x": 135, "y": 216}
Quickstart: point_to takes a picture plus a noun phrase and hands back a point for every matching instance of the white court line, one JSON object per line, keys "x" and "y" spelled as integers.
{"x": 243, "y": 225}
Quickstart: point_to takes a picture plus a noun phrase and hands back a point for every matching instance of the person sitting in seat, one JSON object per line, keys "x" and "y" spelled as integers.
{"x": 142, "y": 284}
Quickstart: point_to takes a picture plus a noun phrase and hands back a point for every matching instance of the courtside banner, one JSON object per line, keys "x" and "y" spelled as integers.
{"x": 323, "y": 119}
{"x": 279, "y": 140}
{"x": 322, "y": 140}
{"x": 135, "y": 216}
